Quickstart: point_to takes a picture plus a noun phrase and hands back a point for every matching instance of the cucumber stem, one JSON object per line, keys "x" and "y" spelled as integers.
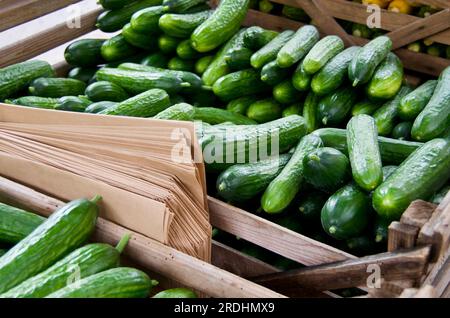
{"x": 221, "y": 186}
{"x": 355, "y": 82}
{"x": 123, "y": 242}
{"x": 332, "y": 229}
{"x": 185, "y": 84}
{"x": 325, "y": 121}
{"x": 378, "y": 238}
{"x": 314, "y": 157}
{"x": 207, "y": 88}
{"x": 96, "y": 199}
{"x": 154, "y": 283}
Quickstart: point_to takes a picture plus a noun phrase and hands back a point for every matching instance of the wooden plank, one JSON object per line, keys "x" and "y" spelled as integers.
{"x": 401, "y": 236}
{"x": 439, "y": 275}
{"x": 418, "y": 213}
{"x": 269, "y": 21}
{"x": 435, "y": 3}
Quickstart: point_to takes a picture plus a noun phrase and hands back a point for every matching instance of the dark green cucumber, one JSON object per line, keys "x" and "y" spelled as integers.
{"x": 122, "y": 282}
{"x": 176, "y": 99}
{"x": 241, "y": 104}
{"x": 117, "y": 48}
{"x": 66, "y": 229}
{"x": 295, "y": 13}
{"x": 402, "y": 131}
{"x": 363, "y": 65}
{"x": 213, "y": 116}
{"x": 85, "y": 52}
{"x": 178, "y": 64}
{"x": 137, "y": 39}
{"x": 17, "y": 77}
{"x": 334, "y": 73}
{"x": 220, "y": 26}
{"x": 105, "y": 91}
{"x": 361, "y": 30}
{"x": 146, "y": 21}
{"x": 264, "y": 110}
{"x": 238, "y": 84}
{"x": 301, "y": 80}
{"x": 434, "y": 119}
{"x": 16, "y": 224}
{"x": 283, "y": 189}
{"x": 176, "y": 293}
{"x": 387, "y": 78}
{"x": 327, "y": 169}
{"x": 181, "y": 111}
{"x": 364, "y": 152}
{"x": 381, "y": 230}
{"x": 322, "y": 52}
{"x": 418, "y": 177}
{"x": 83, "y": 74}
{"x": 412, "y": 104}
{"x": 347, "y": 213}
{"x": 294, "y": 109}
{"x": 202, "y": 64}
{"x": 285, "y": 93}
{"x": 180, "y": 6}
{"x": 146, "y": 104}
{"x": 130, "y": 59}
{"x": 392, "y": 150}
{"x": 243, "y": 182}
{"x": 73, "y": 103}
{"x": 239, "y": 58}
{"x": 272, "y": 74}
{"x": 168, "y": 44}
{"x": 362, "y": 245}
{"x": 113, "y": 4}
{"x": 56, "y": 87}
{"x": 256, "y": 37}
{"x": 186, "y": 52}
{"x": 35, "y": 102}
{"x": 334, "y": 108}
{"x": 440, "y": 195}
{"x": 386, "y": 116}
{"x": 114, "y": 20}
{"x": 311, "y": 205}
{"x": 365, "y": 106}
{"x": 182, "y": 25}
{"x": 95, "y": 108}
{"x": 298, "y": 46}
{"x": 156, "y": 60}
{"x": 310, "y": 112}
{"x": 203, "y": 98}
{"x": 270, "y": 51}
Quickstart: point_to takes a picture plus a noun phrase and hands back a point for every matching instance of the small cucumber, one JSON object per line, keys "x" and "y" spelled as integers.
{"x": 182, "y": 25}
{"x": 202, "y": 64}
{"x": 35, "y": 102}
{"x": 238, "y": 84}
{"x": 176, "y": 99}
{"x": 270, "y": 51}
{"x": 285, "y": 93}
{"x": 241, "y": 104}
{"x": 334, "y": 108}
{"x": 146, "y": 21}
{"x": 294, "y": 109}
{"x": 16, "y": 224}
{"x": 362, "y": 245}
{"x": 381, "y": 230}
{"x": 203, "y": 98}
{"x": 85, "y": 52}
{"x": 95, "y": 108}
{"x": 73, "y": 103}
{"x": 413, "y": 103}
{"x": 178, "y": 64}
{"x": 239, "y": 58}
{"x": 295, "y": 13}
{"x": 365, "y": 106}
{"x": 176, "y": 293}
{"x": 311, "y": 205}
{"x": 387, "y": 78}
{"x": 321, "y": 53}
{"x": 116, "y": 49}
{"x": 56, "y": 87}
{"x": 113, "y": 4}
{"x": 105, "y": 91}
{"x": 137, "y": 39}
{"x": 301, "y": 80}
{"x": 402, "y": 131}
{"x": 83, "y": 74}
{"x": 310, "y": 112}
{"x": 256, "y": 37}
{"x": 168, "y": 44}
{"x": 272, "y": 74}
{"x": 213, "y": 116}
{"x": 186, "y": 52}
{"x": 156, "y": 60}
{"x": 264, "y": 110}
{"x": 182, "y": 111}
{"x": 298, "y": 46}
{"x": 180, "y": 6}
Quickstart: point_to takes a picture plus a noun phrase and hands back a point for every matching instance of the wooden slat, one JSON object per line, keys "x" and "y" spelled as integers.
{"x": 401, "y": 236}
{"x": 435, "y": 3}
{"x": 418, "y": 213}
{"x": 439, "y": 275}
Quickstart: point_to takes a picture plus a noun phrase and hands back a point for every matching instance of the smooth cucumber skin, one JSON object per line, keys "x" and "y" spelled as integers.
{"x": 241, "y": 104}
{"x": 387, "y": 79}
{"x": 122, "y": 282}
{"x": 181, "y": 111}
{"x": 105, "y": 91}
{"x": 346, "y": 213}
{"x": 202, "y": 64}
{"x": 402, "y": 131}
{"x": 364, "y": 152}
{"x": 182, "y": 25}
{"x": 168, "y": 44}
{"x": 362, "y": 245}
{"x": 311, "y": 205}
{"x": 272, "y": 74}
{"x": 243, "y": 182}
{"x": 418, "y": 177}
{"x": 334, "y": 108}
{"x": 434, "y": 119}
{"x": 298, "y": 46}
{"x": 381, "y": 230}
{"x": 176, "y": 293}
{"x": 269, "y": 51}
{"x": 213, "y": 116}
{"x": 178, "y": 64}
{"x": 333, "y": 74}
{"x": 35, "y": 102}
{"x": 282, "y": 190}
{"x": 84, "y": 74}
{"x": 116, "y": 49}
{"x": 294, "y": 109}
{"x": 65, "y": 230}
{"x": 16, "y": 224}
{"x": 412, "y": 104}
{"x": 97, "y": 107}
{"x": 264, "y": 110}
{"x": 85, "y": 52}
{"x": 186, "y": 51}
{"x": 146, "y": 21}
{"x": 310, "y": 112}
{"x": 158, "y": 59}
{"x": 73, "y": 103}
{"x": 239, "y": 58}
{"x": 238, "y": 84}
{"x": 138, "y": 39}
{"x": 256, "y": 37}
{"x": 301, "y": 80}
{"x": 85, "y": 261}
{"x": 56, "y": 87}
{"x": 321, "y": 53}
{"x": 220, "y": 26}
{"x": 366, "y": 107}
{"x": 285, "y": 93}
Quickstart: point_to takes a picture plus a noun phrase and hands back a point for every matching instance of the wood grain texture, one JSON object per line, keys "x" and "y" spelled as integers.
{"x": 435, "y": 3}
{"x": 401, "y": 236}
{"x": 439, "y": 275}
{"x": 418, "y": 213}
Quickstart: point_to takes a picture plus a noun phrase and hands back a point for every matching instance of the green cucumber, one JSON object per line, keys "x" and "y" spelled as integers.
{"x": 65, "y": 230}
{"x": 2, "y": 252}
{"x": 186, "y": 52}
{"x": 295, "y": 13}
{"x": 181, "y": 111}
{"x": 83, "y": 74}
{"x": 241, "y": 104}
{"x": 220, "y": 26}
{"x": 265, "y": 6}
{"x": 178, "y": 64}
{"x": 272, "y": 74}
{"x": 243, "y": 182}
{"x": 203, "y": 98}
{"x": 311, "y": 205}
{"x": 130, "y": 59}
{"x": 168, "y": 44}
{"x": 156, "y": 60}
{"x": 73, "y": 103}
{"x": 238, "y": 84}
{"x": 413, "y": 103}
{"x": 298, "y": 46}
{"x": 116, "y": 49}
{"x": 146, "y": 21}
{"x": 334, "y": 108}
{"x": 294, "y": 109}
{"x": 256, "y": 37}
{"x": 285, "y": 93}
{"x": 141, "y": 40}
{"x": 239, "y": 58}
{"x": 181, "y": 6}
{"x": 364, "y": 152}
{"x": 327, "y": 169}
{"x": 381, "y": 230}
{"x": 387, "y": 78}
{"x": 322, "y": 52}
{"x": 402, "y": 131}
{"x": 182, "y": 25}
{"x": 105, "y": 91}
{"x": 362, "y": 245}
{"x": 283, "y": 189}
{"x": 310, "y": 112}
{"x": 363, "y": 65}
{"x": 176, "y": 99}
{"x": 202, "y": 64}
{"x": 146, "y": 104}
{"x": 264, "y": 110}
{"x": 213, "y": 116}
{"x": 365, "y": 106}
{"x": 95, "y": 108}
{"x": 361, "y": 30}
{"x": 85, "y": 52}
{"x": 16, "y": 224}
{"x": 35, "y": 102}
{"x": 176, "y": 293}
{"x": 56, "y": 87}
{"x": 301, "y": 80}
{"x": 270, "y": 51}
{"x": 440, "y": 195}
{"x": 113, "y": 4}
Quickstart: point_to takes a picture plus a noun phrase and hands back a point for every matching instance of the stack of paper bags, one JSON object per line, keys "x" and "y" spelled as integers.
{"x": 150, "y": 173}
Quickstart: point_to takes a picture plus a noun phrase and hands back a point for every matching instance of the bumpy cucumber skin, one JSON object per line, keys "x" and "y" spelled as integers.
{"x": 241, "y": 104}
{"x": 269, "y": 52}
{"x": 310, "y": 111}
{"x": 73, "y": 103}
{"x": 334, "y": 108}
{"x": 181, "y": 6}
{"x": 213, "y": 116}
{"x": 238, "y": 84}
{"x": 85, "y": 52}
{"x": 387, "y": 79}
{"x": 138, "y": 39}
{"x": 282, "y": 190}
{"x": 402, "y": 131}
{"x": 418, "y": 177}
{"x": 412, "y": 104}
{"x": 220, "y": 26}
{"x": 265, "y": 110}
{"x": 285, "y": 93}
{"x": 56, "y": 87}
{"x": 181, "y": 111}
{"x": 95, "y": 108}
{"x": 364, "y": 153}
{"x": 321, "y": 53}
{"x": 35, "y": 102}
{"x": 310, "y": 205}
{"x": 146, "y": 21}
{"x": 176, "y": 293}
{"x": 116, "y": 49}
{"x": 301, "y": 80}
{"x": 179, "y": 64}
{"x": 366, "y": 107}
{"x": 182, "y": 25}
{"x": 256, "y": 37}
{"x": 272, "y": 74}
{"x": 239, "y": 58}
{"x": 105, "y": 91}
{"x": 16, "y": 224}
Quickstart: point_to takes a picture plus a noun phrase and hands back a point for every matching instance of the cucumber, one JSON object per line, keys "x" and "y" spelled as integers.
{"x": 146, "y": 21}
{"x": 413, "y": 103}
{"x": 298, "y": 46}
{"x": 241, "y": 104}
{"x": 137, "y": 82}
{"x": 181, "y": 6}
{"x": 362, "y": 245}
{"x": 95, "y": 108}
{"x": 113, "y": 4}
{"x": 294, "y": 109}
{"x": 202, "y": 64}
{"x": 181, "y": 111}
{"x": 434, "y": 119}
{"x": 137, "y": 39}
{"x": 440, "y": 195}
{"x": 327, "y": 169}
{"x": 186, "y": 51}
{"x": 386, "y": 116}
{"x": 156, "y": 60}
{"x": 105, "y": 91}
{"x": 346, "y": 213}
{"x": 402, "y": 131}
{"x": 131, "y": 59}
{"x": 264, "y": 110}
{"x": 387, "y": 171}
{"x": 301, "y": 80}
{"x": 239, "y": 58}
{"x": 283, "y": 189}
{"x": 272, "y": 74}
{"x": 381, "y": 230}
{"x": 392, "y": 151}
{"x": 220, "y": 26}
{"x": 73, "y": 103}
{"x": 114, "y": 20}
{"x": 176, "y": 293}
{"x": 265, "y": 6}
{"x": 311, "y": 205}
{"x": 83, "y": 74}
{"x": 256, "y": 37}
{"x": 2, "y": 252}
{"x": 116, "y": 49}
{"x": 365, "y": 106}
{"x": 62, "y": 232}
{"x": 387, "y": 79}
{"x": 321, "y": 53}
{"x": 16, "y": 224}
{"x": 56, "y": 87}
{"x": 425, "y": 171}
{"x": 177, "y": 64}
{"x": 334, "y": 73}
{"x": 198, "y": 8}
{"x": 238, "y": 84}
{"x": 310, "y": 112}
{"x": 176, "y": 99}
{"x": 270, "y": 51}
{"x": 203, "y": 98}
{"x": 182, "y": 25}
{"x": 122, "y": 282}
{"x": 334, "y": 108}
{"x": 242, "y": 182}
{"x": 364, "y": 153}
{"x": 35, "y": 102}
{"x": 215, "y": 116}
{"x": 361, "y": 30}
{"x": 168, "y": 44}
{"x": 285, "y": 93}
{"x": 295, "y": 13}
{"x": 363, "y": 65}
{"x": 17, "y": 77}
{"x": 146, "y": 104}
{"x": 85, "y": 52}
